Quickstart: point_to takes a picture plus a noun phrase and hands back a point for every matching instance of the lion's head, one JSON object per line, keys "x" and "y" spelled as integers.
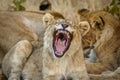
{"x": 61, "y": 36}
{"x": 100, "y": 29}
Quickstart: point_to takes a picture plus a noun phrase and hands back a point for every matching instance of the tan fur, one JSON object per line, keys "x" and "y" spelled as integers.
{"x": 70, "y": 66}
{"x": 21, "y": 33}
{"x": 105, "y": 30}
{"x": 69, "y": 7}
{"x": 108, "y": 75}
{"x": 66, "y": 8}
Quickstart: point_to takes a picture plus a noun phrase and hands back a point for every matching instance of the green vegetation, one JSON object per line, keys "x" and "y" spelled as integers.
{"x": 114, "y": 8}
{"x": 18, "y": 6}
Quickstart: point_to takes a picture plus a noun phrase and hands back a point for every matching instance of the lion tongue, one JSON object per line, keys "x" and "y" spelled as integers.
{"x": 60, "y": 46}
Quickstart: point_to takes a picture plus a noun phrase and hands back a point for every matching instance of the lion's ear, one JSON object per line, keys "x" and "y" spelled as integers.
{"x": 84, "y": 27}
{"x": 99, "y": 23}
{"x": 83, "y": 12}
{"x": 48, "y": 19}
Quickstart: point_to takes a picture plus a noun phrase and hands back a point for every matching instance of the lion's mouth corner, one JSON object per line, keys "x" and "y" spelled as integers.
{"x": 61, "y": 42}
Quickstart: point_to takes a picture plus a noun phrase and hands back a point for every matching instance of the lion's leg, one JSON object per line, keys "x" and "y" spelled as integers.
{"x": 106, "y": 75}
{"x": 33, "y": 68}
{"x": 97, "y": 68}
{"x": 100, "y": 77}
{"x": 15, "y": 59}
{"x": 110, "y": 76}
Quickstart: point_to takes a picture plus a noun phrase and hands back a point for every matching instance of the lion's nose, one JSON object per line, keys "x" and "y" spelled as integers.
{"x": 64, "y": 25}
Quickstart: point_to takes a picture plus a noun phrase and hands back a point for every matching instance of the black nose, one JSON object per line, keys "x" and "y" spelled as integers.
{"x": 64, "y": 25}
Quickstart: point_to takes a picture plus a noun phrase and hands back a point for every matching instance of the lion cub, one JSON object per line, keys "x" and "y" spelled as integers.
{"x": 62, "y": 53}
{"x": 20, "y": 33}
{"x": 104, "y": 34}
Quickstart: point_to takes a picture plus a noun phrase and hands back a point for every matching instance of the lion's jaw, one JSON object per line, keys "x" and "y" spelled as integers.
{"x": 62, "y": 40}
{"x": 59, "y": 39}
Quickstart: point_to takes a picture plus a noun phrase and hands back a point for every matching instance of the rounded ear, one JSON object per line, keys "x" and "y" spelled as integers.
{"x": 83, "y": 12}
{"x": 99, "y": 23}
{"x": 84, "y": 27}
{"x": 48, "y": 19}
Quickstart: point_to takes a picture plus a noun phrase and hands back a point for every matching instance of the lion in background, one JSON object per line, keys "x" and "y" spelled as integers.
{"x": 21, "y": 33}
{"x": 103, "y": 34}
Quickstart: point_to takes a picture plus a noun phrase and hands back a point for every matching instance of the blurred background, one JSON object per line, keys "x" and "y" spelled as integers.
{"x": 112, "y": 6}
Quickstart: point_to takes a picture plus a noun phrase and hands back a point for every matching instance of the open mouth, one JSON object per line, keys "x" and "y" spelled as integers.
{"x": 61, "y": 42}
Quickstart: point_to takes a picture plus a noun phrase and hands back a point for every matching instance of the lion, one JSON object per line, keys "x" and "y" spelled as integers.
{"x": 103, "y": 35}
{"x": 62, "y": 53}
{"x": 21, "y": 33}
{"x": 26, "y": 30}
{"x": 21, "y": 44}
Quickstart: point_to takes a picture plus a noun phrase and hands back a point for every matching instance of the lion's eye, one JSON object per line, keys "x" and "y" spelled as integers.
{"x": 97, "y": 23}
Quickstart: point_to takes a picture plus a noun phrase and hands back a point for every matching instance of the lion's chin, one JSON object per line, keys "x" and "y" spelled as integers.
{"x": 61, "y": 42}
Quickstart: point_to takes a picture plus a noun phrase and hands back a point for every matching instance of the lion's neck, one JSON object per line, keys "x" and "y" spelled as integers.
{"x": 62, "y": 65}
{"x": 106, "y": 35}
{"x": 108, "y": 42}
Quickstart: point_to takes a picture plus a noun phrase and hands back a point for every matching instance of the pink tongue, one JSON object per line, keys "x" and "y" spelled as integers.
{"x": 60, "y": 46}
